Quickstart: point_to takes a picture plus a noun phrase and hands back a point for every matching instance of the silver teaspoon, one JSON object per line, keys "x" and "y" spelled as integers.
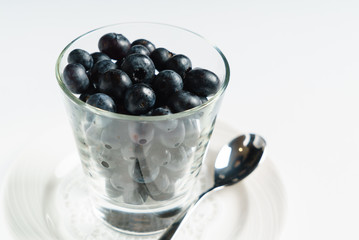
{"x": 235, "y": 161}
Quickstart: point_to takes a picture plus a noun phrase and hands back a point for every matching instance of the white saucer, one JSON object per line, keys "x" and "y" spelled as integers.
{"x": 44, "y": 197}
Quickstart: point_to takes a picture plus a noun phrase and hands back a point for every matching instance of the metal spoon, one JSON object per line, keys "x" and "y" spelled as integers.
{"x": 235, "y": 161}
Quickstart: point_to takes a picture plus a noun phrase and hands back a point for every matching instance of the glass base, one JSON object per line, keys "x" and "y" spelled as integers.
{"x": 141, "y": 221}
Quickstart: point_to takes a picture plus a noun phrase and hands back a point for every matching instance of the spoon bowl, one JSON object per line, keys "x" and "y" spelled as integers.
{"x": 235, "y": 161}
{"x": 238, "y": 159}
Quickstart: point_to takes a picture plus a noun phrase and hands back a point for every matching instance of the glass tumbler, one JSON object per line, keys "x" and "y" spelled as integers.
{"x": 141, "y": 169}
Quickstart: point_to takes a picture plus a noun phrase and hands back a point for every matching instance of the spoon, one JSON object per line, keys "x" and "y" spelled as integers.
{"x": 235, "y": 161}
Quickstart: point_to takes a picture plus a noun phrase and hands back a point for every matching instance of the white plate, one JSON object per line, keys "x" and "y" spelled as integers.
{"x": 44, "y": 197}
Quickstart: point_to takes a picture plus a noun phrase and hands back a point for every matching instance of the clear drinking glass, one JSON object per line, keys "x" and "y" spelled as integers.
{"x": 141, "y": 169}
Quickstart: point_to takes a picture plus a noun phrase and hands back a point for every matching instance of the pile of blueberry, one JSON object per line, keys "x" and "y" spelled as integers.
{"x": 137, "y": 78}
{"x": 139, "y": 161}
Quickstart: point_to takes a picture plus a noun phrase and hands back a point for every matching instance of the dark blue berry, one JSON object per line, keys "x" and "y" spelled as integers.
{"x": 99, "y": 56}
{"x": 202, "y": 82}
{"x": 159, "y": 57}
{"x": 143, "y": 172}
{"x": 179, "y": 159}
{"x": 171, "y": 138}
{"x": 139, "y": 99}
{"x": 90, "y": 91}
{"x": 121, "y": 108}
{"x": 114, "y": 82}
{"x": 159, "y": 196}
{"x": 160, "y": 111}
{"x": 166, "y": 83}
{"x": 82, "y": 57}
{"x": 102, "y": 101}
{"x": 114, "y": 45}
{"x": 99, "y": 69}
{"x": 203, "y": 99}
{"x": 75, "y": 78}
{"x": 162, "y": 188}
{"x": 88, "y": 73}
{"x": 139, "y": 68}
{"x": 137, "y": 196}
{"x": 183, "y": 100}
{"x": 150, "y": 46}
{"x": 111, "y": 191}
{"x": 181, "y": 64}
{"x": 141, "y": 133}
{"x": 139, "y": 49}
{"x": 119, "y": 63}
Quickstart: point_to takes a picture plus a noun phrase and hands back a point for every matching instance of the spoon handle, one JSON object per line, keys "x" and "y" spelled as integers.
{"x": 172, "y": 229}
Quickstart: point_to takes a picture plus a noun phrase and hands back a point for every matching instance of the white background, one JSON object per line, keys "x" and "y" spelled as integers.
{"x": 294, "y": 79}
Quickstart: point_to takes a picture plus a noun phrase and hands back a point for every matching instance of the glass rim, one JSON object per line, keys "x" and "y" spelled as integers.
{"x": 121, "y": 116}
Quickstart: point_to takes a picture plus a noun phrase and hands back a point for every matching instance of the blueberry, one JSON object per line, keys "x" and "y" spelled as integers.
{"x": 180, "y": 63}
{"x": 166, "y": 83}
{"x": 98, "y": 171}
{"x": 139, "y": 49}
{"x": 150, "y": 46}
{"x": 121, "y": 108}
{"x": 114, "y": 45}
{"x": 177, "y": 174}
{"x": 139, "y": 68}
{"x": 114, "y": 82}
{"x": 99, "y": 56}
{"x": 97, "y": 120}
{"x": 75, "y": 78}
{"x": 202, "y": 82}
{"x": 203, "y": 99}
{"x": 111, "y": 155}
{"x": 160, "y": 196}
{"x": 122, "y": 181}
{"x": 99, "y": 69}
{"x": 90, "y": 91}
{"x": 88, "y": 73}
{"x": 111, "y": 191}
{"x": 92, "y": 135}
{"x": 162, "y": 188}
{"x": 159, "y": 57}
{"x": 106, "y": 163}
{"x": 160, "y": 185}
{"x": 113, "y": 137}
{"x": 174, "y": 138}
{"x": 107, "y": 160}
{"x": 119, "y": 63}
{"x": 178, "y": 159}
{"x": 183, "y": 100}
{"x": 129, "y": 152}
{"x": 139, "y": 99}
{"x": 143, "y": 172}
{"x": 160, "y": 111}
{"x": 137, "y": 196}
{"x": 81, "y": 57}
{"x": 165, "y": 125}
{"x": 158, "y": 155}
{"x": 141, "y": 133}
{"x": 102, "y": 101}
